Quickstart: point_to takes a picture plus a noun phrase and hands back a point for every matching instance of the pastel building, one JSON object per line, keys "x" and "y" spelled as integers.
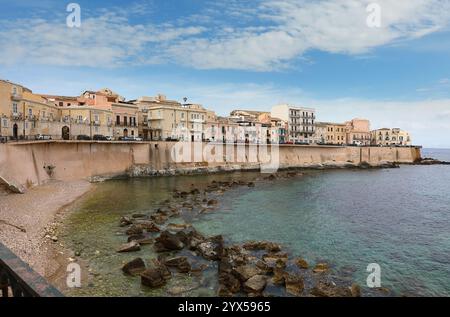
{"x": 358, "y": 132}
{"x": 300, "y": 120}
{"x": 25, "y": 115}
{"x": 387, "y": 137}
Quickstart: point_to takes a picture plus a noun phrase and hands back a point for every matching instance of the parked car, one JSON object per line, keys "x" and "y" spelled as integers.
{"x": 83, "y": 137}
{"x": 109, "y": 138}
{"x": 43, "y": 137}
{"x": 3, "y": 139}
{"x": 99, "y": 137}
{"x": 301, "y": 143}
{"x": 126, "y": 138}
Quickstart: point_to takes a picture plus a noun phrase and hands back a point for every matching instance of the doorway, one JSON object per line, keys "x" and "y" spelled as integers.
{"x": 65, "y": 133}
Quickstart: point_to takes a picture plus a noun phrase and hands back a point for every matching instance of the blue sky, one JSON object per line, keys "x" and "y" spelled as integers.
{"x": 245, "y": 54}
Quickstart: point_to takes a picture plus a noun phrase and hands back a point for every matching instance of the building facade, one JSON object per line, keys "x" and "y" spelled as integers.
{"x": 358, "y": 132}
{"x": 301, "y": 122}
{"x": 388, "y": 137}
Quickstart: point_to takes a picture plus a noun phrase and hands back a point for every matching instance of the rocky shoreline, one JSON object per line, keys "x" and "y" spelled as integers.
{"x": 252, "y": 268}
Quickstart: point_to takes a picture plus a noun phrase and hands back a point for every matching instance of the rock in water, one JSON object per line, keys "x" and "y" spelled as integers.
{"x": 168, "y": 242}
{"x": 125, "y": 221}
{"x": 321, "y": 268}
{"x": 245, "y": 272}
{"x": 134, "y": 267}
{"x": 302, "y": 264}
{"x": 155, "y": 276}
{"x": 129, "y": 247}
{"x": 181, "y": 263}
{"x": 294, "y": 284}
{"x": 356, "y": 290}
{"x": 255, "y": 284}
{"x": 134, "y": 229}
{"x": 212, "y": 248}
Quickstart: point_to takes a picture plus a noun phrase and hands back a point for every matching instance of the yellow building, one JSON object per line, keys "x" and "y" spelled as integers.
{"x": 165, "y": 119}
{"x": 388, "y": 137}
{"x": 24, "y": 115}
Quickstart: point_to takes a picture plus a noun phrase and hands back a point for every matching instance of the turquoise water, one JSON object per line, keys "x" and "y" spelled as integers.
{"x": 398, "y": 218}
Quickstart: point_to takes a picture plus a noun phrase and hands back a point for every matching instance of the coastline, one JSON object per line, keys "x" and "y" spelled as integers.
{"x": 28, "y": 223}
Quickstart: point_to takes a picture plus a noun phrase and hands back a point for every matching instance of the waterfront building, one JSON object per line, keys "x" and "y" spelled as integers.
{"x": 25, "y": 115}
{"x": 78, "y": 118}
{"x": 358, "y": 132}
{"x": 320, "y": 133}
{"x": 301, "y": 122}
{"x": 125, "y": 114}
{"x": 387, "y": 136}
{"x": 278, "y": 131}
{"x": 336, "y": 133}
{"x": 165, "y": 119}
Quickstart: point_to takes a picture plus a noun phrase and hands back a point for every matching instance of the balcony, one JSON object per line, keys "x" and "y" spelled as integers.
{"x": 16, "y": 116}
{"x": 16, "y": 96}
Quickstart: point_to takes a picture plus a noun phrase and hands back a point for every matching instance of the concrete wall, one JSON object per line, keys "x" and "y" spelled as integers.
{"x": 27, "y": 163}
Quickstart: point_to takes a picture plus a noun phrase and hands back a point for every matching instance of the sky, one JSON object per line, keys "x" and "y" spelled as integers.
{"x": 245, "y": 54}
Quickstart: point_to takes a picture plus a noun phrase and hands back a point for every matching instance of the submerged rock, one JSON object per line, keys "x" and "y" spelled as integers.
{"x": 156, "y": 276}
{"x": 328, "y": 289}
{"x": 134, "y": 230}
{"x": 262, "y": 245}
{"x": 125, "y": 221}
{"x": 301, "y": 263}
{"x": 135, "y": 267}
{"x": 181, "y": 263}
{"x": 129, "y": 247}
{"x": 321, "y": 268}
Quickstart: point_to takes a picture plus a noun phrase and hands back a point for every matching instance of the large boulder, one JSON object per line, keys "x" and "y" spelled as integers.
{"x": 255, "y": 284}
{"x": 181, "y": 263}
{"x": 135, "y": 267}
{"x": 129, "y": 247}
{"x": 168, "y": 242}
{"x": 228, "y": 284}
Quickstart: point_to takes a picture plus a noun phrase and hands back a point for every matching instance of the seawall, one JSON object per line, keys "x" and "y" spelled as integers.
{"x": 34, "y": 163}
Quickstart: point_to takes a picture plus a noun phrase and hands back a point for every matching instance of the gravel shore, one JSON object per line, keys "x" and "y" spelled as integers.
{"x": 24, "y": 220}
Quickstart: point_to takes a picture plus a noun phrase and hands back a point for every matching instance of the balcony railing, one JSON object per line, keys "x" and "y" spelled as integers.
{"x": 16, "y": 96}
{"x": 19, "y": 280}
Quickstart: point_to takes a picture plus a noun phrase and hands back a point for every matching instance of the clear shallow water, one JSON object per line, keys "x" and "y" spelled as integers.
{"x": 398, "y": 218}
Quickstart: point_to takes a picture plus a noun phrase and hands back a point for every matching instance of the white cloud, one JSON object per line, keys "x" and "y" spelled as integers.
{"x": 261, "y": 35}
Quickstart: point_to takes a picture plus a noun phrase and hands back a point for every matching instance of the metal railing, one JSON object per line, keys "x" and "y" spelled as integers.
{"x": 19, "y": 280}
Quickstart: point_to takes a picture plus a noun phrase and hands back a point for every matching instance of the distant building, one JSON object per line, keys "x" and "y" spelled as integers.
{"x": 320, "y": 133}
{"x": 24, "y": 115}
{"x": 301, "y": 122}
{"x": 386, "y": 137}
{"x": 358, "y": 132}
{"x": 168, "y": 119}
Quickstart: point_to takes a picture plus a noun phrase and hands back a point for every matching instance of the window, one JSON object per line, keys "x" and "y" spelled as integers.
{"x": 125, "y": 119}
{"x": 96, "y": 118}
{"x": 118, "y": 120}
{"x": 80, "y": 118}
{"x": 5, "y": 123}
{"x": 61, "y": 104}
{"x": 14, "y": 107}
{"x": 30, "y": 112}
